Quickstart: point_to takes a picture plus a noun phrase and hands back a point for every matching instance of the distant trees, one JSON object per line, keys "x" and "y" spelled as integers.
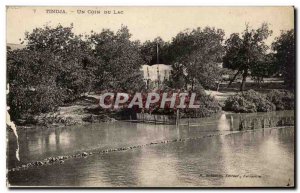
{"x": 57, "y": 66}
{"x": 284, "y": 48}
{"x": 247, "y": 53}
{"x": 261, "y": 70}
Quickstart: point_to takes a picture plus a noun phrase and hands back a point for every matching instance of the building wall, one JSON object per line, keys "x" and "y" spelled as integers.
{"x": 156, "y": 71}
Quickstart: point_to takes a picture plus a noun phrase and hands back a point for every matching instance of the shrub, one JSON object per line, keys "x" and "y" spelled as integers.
{"x": 239, "y": 104}
{"x": 248, "y": 102}
{"x": 282, "y": 99}
{"x": 25, "y": 103}
{"x": 208, "y": 106}
{"x": 260, "y": 101}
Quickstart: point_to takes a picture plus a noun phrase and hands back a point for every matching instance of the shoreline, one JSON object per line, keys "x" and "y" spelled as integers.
{"x": 86, "y": 110}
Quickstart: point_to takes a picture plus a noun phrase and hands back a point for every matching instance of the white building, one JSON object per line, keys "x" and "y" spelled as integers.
{"x": 156, "y": 72}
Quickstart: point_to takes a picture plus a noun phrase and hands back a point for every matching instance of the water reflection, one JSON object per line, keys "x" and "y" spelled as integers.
{"x": 260, "y": 158}
{"x": 40, "y": 144}
{"x": 264, "y": 153}
{"x": 224, "y": 123}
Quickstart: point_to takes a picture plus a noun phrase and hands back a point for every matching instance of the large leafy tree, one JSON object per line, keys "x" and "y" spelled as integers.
{"x": 54, "y": 67}
{"x": 32, "y": 83}
{"x": 246, "y": 52}
{"x": 73, "y": 61}
{"x": 119, "y": 60}
{"x": 264, "y": 69}
{"x": 200, "y": 52}
{"x": 284, "y": 48}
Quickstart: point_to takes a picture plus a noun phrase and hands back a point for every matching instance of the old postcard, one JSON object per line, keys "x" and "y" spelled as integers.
{"x": 150, "y": 97}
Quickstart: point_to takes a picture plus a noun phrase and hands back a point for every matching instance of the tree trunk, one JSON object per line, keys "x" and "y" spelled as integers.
{"x": 231, "y": 81}
{"x": 218, "y": 86}
{"x": 245, "y": 74}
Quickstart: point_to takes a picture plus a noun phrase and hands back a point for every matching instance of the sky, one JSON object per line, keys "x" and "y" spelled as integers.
{"x": 147, "y": 23}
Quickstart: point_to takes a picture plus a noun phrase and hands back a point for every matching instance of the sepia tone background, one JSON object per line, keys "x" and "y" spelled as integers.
{"x": 146, "y": 23}
{"x": 135, "y": 152}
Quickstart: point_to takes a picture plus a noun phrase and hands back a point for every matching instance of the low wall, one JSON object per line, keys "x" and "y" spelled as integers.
{"x": 153, "y": 118}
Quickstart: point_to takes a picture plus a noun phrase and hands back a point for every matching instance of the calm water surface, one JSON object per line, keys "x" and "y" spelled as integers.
{"x": 259, "y": 157}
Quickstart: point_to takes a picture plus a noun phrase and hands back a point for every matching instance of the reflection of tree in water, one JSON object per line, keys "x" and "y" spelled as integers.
{"x": 174, "y": 162}
{"x": 57, "y": 139}
{"x": 265, "y": 122}
{"x": 287, "y": 135}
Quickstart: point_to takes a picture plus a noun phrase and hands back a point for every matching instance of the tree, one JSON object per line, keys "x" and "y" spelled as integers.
{"x": 72, "y": 56}
{"x": 284, "y": 48}
{"x": 119, "y": 60}
{"x": 200, "y": 52}
{"x": 31, "y": 76}
{"x": 247, "y": 52}
{"x": 264, "y": 69}
{"x": 53, "y": 68}
{"x": 154, "y": 52}
{"x": 177, "y": 77}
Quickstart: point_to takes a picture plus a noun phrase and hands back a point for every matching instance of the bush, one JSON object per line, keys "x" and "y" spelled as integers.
{"x": 208, "y": 105}
{"x": 25, "y": 103}
{"x": 259, "y": 100}
{"x": 239, "y": 104}
{"x": 249, "y": 102}
{"x": 282, "y": 99}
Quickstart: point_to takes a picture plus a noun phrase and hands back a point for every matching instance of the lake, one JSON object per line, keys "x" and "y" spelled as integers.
{"x": 221, "y": 151}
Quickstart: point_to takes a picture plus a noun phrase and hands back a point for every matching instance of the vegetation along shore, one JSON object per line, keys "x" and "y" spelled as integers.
{"x": 56, "y": 77}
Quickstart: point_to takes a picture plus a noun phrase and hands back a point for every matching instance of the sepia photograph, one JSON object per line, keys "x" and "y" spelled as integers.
{"x": 150, "y": 97}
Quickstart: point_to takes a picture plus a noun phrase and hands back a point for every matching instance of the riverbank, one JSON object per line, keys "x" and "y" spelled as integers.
{"x": 81, "y": 111}
{"x": 86, "y": 109}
